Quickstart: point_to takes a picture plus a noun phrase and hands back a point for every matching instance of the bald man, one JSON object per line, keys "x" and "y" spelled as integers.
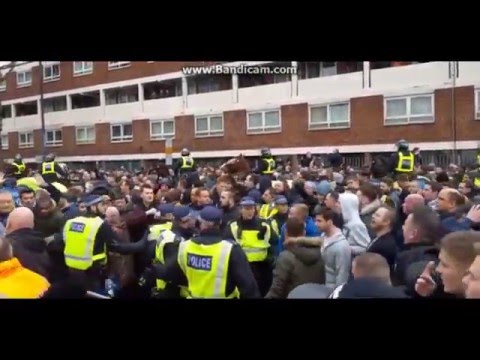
{"x": 28, "y": 245}
{"x": 450, "y": 204}
{"x": 412, "y": 201}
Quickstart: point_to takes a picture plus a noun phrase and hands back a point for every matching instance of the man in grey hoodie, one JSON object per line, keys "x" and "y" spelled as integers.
{"x": 354, "y": 229}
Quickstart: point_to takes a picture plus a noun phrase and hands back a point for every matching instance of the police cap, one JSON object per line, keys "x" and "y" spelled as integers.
{"x": 91, "y": 200}
{"x": 281, "y": 200}
{"x": 166, "y": 209}
{"x": 181, "y": 212}
{"x": 211, "y": 214}
{"x": 247, "y": 201}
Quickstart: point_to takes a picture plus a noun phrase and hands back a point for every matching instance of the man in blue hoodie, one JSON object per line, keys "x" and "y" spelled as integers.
{"x": 299, "y": 211}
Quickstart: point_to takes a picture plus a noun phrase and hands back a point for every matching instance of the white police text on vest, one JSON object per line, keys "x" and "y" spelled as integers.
{"x": 199, "y": 262}
{"x": 77, "y": 227}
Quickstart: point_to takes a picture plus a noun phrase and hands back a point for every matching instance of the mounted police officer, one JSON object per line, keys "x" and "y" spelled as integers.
{"x": 266, "y": 167}
{"x": 51, "y": 169}
{"x": 18, "y": 167}
{"x": 213, "y": 267}
{"x": 185, "y": 167}
{"x": 402, "y": 161}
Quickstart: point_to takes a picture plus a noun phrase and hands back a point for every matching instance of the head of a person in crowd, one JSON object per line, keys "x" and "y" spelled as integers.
{"x": 457, "y": 254}
{"x": 466, "y": 188}
{"x": 93, "y": 175}
{"x": 368, "y": 194}
{"x": 443, "y": 178}
{"x": 126, "y": 186}
{"x": 200, "y": 196}
{"x": 371, "y": 265}
{"x": 471, "y": 280}
{"x": 281, "y": 204}
{"x": 412, "y": 201}
{"x": 332, "y": 201}
{"x": 7, "y": 203}
{"x": 325, "y": 221}
{"x": 82, "y": 208}
{"x": 281, "y": 186}
{"x": 386, "y": 186}
{"x": 415, "y": 187}
{"x": 95, "y": 205}
{"x": 294, "y": 228}
{"x": 210, "y": 219}
{"x": 251, "y": 181}
{"x": 247, "y": 208}
{"x": 112, "y": 216}
{"x": 430, "y": 191}
{"x": 183, "y": 220}
{"x": 299, "y": 211}
{"x": 403, "y": 181}
{"x": 322, "y": 189}
{"x": 224, "y": 182}
{"x": 111, "y": 180}
{"x": 353, "y": 184}
{"x": 44, "y": 204}
{"x": 173, "y": 196}
{"x": 20, "y": 218}
{"x": 86, "y": 176}
{"x": 227, "y": 199}
{"x": 383, "y": 220}
{"x": 310, "y": 188}
{"x": 27, "y": 197}
{"x": 269, "y": 195}
{"x": 449, "y": 200}
{"x": 421, "y": 225}
{"x": 364, "y": 174}
{"x": 147, "y": 195}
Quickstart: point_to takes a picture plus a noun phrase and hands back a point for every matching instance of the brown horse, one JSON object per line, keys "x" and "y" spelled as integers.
{"x": 238, "y": 167}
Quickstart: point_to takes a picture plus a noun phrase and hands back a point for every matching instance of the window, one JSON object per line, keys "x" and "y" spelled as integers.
{"x": 55, "y": 104}
{"x": 209, "y": 126}
{"x": 121, "y": 132}
{"x": 162, "y": 89}
{"x": 309, "y": 70}
{"x": 122, "y": 95}
{"x": 409, "y": 110}
{"x": 263, "y": 122}
{"x": 24, "y": 78}
{"x": 112, "y": 65}
{"x": 201, "y": 84}
{"x": 25, "y": 140}
{"x": 4, "y": 142}
{"x": 477, "y": 104}
{"x": 53, "y": 137}
{"x": 331, "y": 116}
{"x": 5, "y": 111}
{"x": 3, "y": 85}
{"x": 82, "y": 67}
{"x": 162, "y": 129}
{"x": 85, "y": 100}
{"x": 51, "y": 72}
{"x": 85, "y": 135}
{"x": 26, "y": 108}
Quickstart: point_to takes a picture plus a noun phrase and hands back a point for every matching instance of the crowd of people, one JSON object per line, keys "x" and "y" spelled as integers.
{"x": 306, "y": 229}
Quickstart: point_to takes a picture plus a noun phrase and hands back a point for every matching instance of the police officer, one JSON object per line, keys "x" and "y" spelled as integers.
{"x": 254, "y": 236}
{"x": 213, "y": 268}
{"x": 185, "y": 164}
{"x": 266, "y": 168}
{"x": 19, "y": 167}
{"x": 50, "y": 170}
{"x": 280, "y": 216}
{"x": 403, "y": 161}
{"x": 163, "y": 221}
{"x": 87, "y": 240}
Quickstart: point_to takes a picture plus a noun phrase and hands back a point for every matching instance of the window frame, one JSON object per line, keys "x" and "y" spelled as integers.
{"x": 408, "y": 114}
{"x": 3, "y": 85}
{"x": 477, "y": 104}
{"x": 84, "y": 71}
{"x": 162, "y": 136}
{"x": 87, "y": 141}
{"x": 115, "y": 65}
{"x": 51, "y": 78}
{"x": 3, "y": 136}
{"x": 28, "y": 145}
{"x": 55, "y": 142}
{"x": 312, "y": 127}
{"x": 24, "y": 84}
{"x": 209, "y": 132}
{"x": 264, "y": 129}
{"x": 123, "y": 138}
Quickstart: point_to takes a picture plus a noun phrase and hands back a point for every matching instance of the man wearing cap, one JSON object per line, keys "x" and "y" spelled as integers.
{"x": 85, "y": 241}
{"x": 254, "y": 236}
{"x": 212, "y": 267}
{"x": 281, "y": 215}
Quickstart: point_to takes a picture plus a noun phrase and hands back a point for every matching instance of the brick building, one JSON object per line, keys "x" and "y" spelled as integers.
{"x": 124, "y": 111}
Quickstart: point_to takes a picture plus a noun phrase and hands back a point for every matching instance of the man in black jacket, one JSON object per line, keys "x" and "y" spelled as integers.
{"x": 29, "y": 245}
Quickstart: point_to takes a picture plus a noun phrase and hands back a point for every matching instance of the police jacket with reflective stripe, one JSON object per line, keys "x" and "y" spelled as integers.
{"x": 239, "y": 273}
